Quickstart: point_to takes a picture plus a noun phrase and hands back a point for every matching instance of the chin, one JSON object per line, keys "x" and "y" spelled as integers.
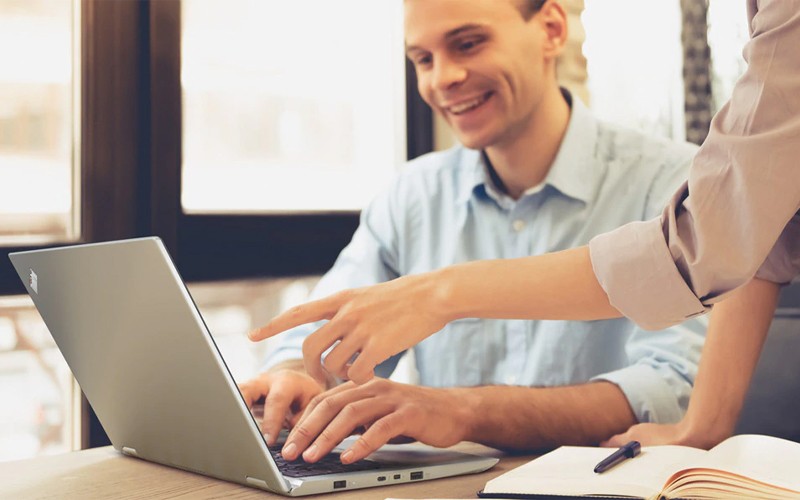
{"x": 475, "y": 141}
{"x": 478, "y": 135}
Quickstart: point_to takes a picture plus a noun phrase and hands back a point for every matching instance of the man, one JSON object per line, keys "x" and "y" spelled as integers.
{"x": 537, "y": 173}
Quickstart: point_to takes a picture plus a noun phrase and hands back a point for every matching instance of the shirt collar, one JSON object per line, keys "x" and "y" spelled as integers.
{"x": 572, "y": 172}
{"x": 474, "y": 177}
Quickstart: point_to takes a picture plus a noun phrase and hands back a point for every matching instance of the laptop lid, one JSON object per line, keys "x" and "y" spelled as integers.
{"x": 137, "y": 345}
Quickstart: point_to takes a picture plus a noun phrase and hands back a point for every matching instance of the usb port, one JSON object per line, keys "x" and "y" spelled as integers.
{"x": 337, "y": 485}
{"x": 416, "y": 475}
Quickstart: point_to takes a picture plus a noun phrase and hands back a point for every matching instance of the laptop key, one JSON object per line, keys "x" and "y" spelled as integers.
{"x": 329, "y": 464}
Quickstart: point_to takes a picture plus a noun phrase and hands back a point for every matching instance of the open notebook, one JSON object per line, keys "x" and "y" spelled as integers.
{"x": 745, "y": 466}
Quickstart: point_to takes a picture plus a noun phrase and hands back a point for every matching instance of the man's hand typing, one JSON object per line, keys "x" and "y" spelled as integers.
{"x": 286, "y": 394}
{"x": 388, "y": 411}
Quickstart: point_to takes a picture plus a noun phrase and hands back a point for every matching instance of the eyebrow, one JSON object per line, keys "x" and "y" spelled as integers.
{"x": 461, "y": 29}
{"x": 453, "y": 33}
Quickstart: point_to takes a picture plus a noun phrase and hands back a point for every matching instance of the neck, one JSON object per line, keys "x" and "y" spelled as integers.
{"x": 523, "y": 162}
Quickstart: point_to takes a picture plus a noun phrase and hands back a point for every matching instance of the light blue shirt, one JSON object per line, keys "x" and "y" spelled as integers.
{"x": 443, "y": 209}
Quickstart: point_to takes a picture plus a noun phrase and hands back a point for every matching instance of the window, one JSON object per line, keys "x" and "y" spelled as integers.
{"x": 39, "y": 173}
{"x": 36, "y": 386}
{"x": 635, "y": 67}
{"x": 290, "y": 106}
{"x": 727, "y": 36}
{"x": 37, "y": 123}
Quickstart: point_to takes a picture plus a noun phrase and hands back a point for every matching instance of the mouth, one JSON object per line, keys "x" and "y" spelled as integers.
{"x": 469, "y": 105}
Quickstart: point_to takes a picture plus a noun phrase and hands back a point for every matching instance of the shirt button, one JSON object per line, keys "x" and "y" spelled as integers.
{"x": 518, "y": 225}
{"x": 511, "y": 380}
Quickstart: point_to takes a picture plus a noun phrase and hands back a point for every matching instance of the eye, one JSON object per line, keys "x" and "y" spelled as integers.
{"x": 469, "y": 44}
{"x": 423, "y": 60}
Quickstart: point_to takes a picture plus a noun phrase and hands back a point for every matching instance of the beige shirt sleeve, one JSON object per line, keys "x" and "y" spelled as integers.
{"x": 736, "y": 215}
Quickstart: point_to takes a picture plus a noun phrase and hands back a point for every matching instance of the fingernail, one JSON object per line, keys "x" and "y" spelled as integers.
{"x": 310, "y": 453}
{"x": 267, "y": 438}
{"x": 347, "y": 456}
{"x": 289, "y": 451}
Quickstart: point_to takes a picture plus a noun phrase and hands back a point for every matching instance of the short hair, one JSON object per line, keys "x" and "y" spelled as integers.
{"x": 529, "y": 7}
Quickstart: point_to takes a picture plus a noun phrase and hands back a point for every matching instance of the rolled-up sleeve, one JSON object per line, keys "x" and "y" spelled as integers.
{"x": 659, "y": 381}
{"x": 635, "y": 268}
{"x": 740, "y": 200}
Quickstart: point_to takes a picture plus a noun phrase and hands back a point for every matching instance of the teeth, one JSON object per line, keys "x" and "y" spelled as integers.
{"x": 468, "y": 105}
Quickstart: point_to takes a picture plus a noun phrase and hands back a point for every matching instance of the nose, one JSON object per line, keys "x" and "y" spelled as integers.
{"x": 447, "y": 74}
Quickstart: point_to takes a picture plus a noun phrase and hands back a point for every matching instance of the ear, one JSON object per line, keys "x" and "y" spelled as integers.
{"x": 553, "y": 19}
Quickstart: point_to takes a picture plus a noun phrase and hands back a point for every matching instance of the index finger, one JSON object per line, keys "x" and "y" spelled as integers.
{"x": 309, "y": 312}
{"x": 378, "y": 434}
{"x": 276, "y": 407}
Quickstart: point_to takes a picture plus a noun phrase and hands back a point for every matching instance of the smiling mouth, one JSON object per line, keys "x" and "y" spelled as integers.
{"x": 467, "y": 106}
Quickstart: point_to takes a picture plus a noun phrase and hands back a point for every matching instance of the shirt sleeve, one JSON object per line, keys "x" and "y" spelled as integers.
{"x": 369, "y": 258}
{"x": 738, "y": 205}
{"x": 659, "y": 381}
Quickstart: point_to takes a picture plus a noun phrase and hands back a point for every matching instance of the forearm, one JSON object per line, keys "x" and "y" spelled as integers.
{"x": 524, "y": 418}
{"x": 736, "y": 334}
{"x": 559, "y": 285}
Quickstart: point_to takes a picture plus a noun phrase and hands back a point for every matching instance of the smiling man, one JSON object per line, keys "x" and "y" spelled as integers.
{"x": 535, "y": 172}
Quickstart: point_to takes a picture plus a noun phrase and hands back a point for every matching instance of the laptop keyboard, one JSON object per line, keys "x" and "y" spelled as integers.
{"x": 329, "y": 464}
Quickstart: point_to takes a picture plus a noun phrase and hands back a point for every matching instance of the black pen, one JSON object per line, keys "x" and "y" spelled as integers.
{"x": 628, "y": 450}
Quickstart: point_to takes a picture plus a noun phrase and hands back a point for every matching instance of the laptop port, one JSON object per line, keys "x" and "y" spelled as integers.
{"x": 381, "y": 478}
{"x": 397, "y": 476}
{"x": 416, "y": 475}
{"x": 337, "y": 485}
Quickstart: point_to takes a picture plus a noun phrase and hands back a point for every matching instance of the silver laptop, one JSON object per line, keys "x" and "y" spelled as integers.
{"x": 137, "y": 345}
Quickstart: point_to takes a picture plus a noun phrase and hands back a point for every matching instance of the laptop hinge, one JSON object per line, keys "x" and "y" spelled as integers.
{"x": 129, "y": 451}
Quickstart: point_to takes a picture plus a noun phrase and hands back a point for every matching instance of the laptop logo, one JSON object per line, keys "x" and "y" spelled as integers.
{"x": 33, "y": 281}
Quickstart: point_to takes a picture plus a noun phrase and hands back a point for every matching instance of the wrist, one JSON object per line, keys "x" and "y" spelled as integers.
{"x": 445, "y": 294}
{"x": 703, "y": 433}
{"x": 466, "y": 409}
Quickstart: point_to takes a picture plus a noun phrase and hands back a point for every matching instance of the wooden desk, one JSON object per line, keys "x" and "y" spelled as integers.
{"x": 104, "y": 473}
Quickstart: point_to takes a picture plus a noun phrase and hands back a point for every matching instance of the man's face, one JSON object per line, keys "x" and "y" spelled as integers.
{"x": 479, "y": 64}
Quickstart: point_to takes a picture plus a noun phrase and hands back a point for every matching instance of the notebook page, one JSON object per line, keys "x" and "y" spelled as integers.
{"x": 569, "y": 470}
{"x": 763, "y": 458}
